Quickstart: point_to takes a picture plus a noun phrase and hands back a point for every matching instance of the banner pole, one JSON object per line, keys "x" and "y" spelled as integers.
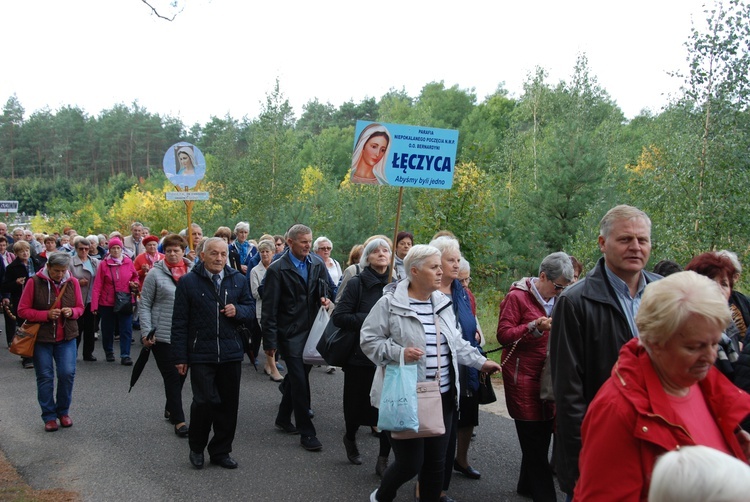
{"x": 395, "y": 231}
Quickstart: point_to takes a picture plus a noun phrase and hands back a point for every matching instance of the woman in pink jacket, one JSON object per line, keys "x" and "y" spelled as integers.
{"x": 116, "y": 273}
{"x": 55, "y": 349}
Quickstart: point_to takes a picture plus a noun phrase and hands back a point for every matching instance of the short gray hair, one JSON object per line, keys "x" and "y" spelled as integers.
{"x": 78, "y": 239}
{"x": 698, "y": 473}
{"x": 93, "y": 239}
{"x": 58, "y": 259}
{"x": 446, "y": 244}
{"x": 619, "y": 213}
{"x": 296, "y": 230}
{"x": 370, "y": 248}
{"x": 557, "y": 265}
{"x": 321, "y": 240}
{"x": 667, "y": 304}
{"x": 266, "y": 245}
{"x": 464, "y": 265}
{"x": 417, "y": 255}
{"x": 242, "y": 225}
{"x": 733, "y": 258}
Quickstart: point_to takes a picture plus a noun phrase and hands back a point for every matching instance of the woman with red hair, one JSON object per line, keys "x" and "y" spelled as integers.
{"x": 720, "y": 269}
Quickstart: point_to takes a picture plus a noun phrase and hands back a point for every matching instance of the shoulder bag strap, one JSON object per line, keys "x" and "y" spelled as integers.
{"x": 437, "y": 342}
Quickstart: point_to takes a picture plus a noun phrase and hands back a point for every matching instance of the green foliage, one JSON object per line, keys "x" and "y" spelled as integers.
{"x": 534, "y": 174}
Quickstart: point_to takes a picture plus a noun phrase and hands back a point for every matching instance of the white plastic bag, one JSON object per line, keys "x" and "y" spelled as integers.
{"x": 311, "y": 355}
{"x": 398, "y": 401}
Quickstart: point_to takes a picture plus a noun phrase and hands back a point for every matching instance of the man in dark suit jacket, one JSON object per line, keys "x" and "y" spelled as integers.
{"x": 592, "y": 320}
{"x": 210, "y": 303}
{"x": 295, "y": 287}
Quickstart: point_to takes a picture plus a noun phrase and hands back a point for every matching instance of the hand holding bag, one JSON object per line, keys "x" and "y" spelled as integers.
{"x": 398, "y": 400}
{"x": 25, "y": 337}
{"x": 429, "y": 403}
{"x": 486, "y": 393}
{"x": 310, "y": 354}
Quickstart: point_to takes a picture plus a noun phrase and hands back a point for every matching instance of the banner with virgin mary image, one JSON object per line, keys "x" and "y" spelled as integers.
{"x": 403, "y": 155}
{"x": 184, "y": 165}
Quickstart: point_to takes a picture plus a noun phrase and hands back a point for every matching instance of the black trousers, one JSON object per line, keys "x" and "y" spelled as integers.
{"x": 173, "y": 381}
{"x": 423, "y": 456}
{"x": 216, "y": 397}
{"x": 296, "y": 396}
{"x": 10, "y": 327}
{"x": 536, "y": 474}
{"x": 86, "y": 329}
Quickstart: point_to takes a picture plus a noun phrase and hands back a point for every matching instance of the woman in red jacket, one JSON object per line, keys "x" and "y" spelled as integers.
{"x": 524, "y": 324}
{"x": 664, "y": 392}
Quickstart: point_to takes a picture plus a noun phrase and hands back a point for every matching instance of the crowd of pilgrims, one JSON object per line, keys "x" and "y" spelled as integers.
{"x": 426, "y": 281}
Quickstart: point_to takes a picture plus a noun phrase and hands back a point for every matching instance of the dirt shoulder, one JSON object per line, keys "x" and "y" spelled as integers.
{"x": 14, "y": 489}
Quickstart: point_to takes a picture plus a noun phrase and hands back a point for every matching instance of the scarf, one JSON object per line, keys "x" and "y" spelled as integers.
{"x": 178, "y": 270}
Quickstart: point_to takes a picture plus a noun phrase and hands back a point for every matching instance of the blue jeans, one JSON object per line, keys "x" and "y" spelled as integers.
{"x": 47, "y": 356}
{"x": 125, "y": 324}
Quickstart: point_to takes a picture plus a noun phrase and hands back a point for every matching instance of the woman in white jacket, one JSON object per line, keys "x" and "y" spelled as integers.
{"x": 405, "y": 320}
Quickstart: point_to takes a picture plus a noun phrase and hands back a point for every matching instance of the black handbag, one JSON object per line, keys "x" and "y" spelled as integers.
{"x": 336, "y": 345}
{"x": 486, "y": 393}
{"x": 123, "y": 303}
{"x": 123, "y": 300}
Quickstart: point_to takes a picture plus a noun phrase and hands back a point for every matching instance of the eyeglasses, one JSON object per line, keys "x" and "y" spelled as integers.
{"x": 324, "y": 249}
{"x": 465, "y": 281}
{"x": 558, "y": 287}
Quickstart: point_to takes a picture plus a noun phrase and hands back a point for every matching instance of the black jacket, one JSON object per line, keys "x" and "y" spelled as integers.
{"x": 200, "y": 332}
{"x": 290, "y": 305}
{"x": 15, "y": 270}
{"x": 588, "y": 330}
{"x": 362, "y": 292}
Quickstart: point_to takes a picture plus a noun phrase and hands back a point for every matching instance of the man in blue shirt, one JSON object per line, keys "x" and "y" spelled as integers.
{"x": 295, "y": 287}
{"x": 591, "y": 321}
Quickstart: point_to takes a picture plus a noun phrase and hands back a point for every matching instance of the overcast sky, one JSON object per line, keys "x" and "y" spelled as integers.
{"x": 223, "y": 56}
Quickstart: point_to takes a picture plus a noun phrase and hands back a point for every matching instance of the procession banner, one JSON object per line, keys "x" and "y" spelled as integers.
{"x": 403, "y": 155}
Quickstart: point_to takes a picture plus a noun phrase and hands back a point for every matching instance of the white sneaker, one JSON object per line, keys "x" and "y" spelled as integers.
{"x": 372, "y": 496}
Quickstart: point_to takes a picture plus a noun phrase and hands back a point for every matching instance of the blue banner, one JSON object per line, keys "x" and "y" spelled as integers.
{"x": 402, "y": 155}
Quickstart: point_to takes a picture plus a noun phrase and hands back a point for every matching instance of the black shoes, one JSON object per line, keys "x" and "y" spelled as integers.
{"x": 181, "y": 430}
{"x": 110, "y": 357}
{"x": 89, "y": 358}
{"x": 311, "y": 443}
{"x": 352, "y": 452}
{"x": 225, "y": 462}
{"x": 126, "y": 361}
{"x": 196, "y": 459}
{"x": 467, "y": 471}
{"x": 289, "y": 428}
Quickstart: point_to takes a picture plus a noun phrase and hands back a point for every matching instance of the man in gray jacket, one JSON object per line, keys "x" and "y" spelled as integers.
{"x": 592, "y": 320}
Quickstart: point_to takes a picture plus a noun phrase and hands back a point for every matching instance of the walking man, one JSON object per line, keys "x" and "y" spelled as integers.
{"x": 210, "y": 303}
{"x": 295, "y": 287}
{"x": 592, "y": 320}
